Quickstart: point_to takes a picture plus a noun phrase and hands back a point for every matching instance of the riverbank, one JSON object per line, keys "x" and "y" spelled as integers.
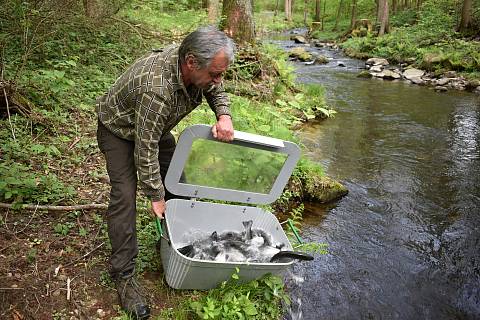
{"x": 381, "y": 68}
{"x": 54, "y": 259}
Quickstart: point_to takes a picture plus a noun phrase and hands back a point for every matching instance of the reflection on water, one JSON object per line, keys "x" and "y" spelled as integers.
{"x": 405, "y": 242}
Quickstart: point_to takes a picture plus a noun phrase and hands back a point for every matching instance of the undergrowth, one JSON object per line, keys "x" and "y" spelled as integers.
{"x": 60, "y": 61}
{"x": 431, "y": 42}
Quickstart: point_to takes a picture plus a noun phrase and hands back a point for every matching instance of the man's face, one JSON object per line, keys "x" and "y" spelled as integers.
{"x": 204, "y": 78}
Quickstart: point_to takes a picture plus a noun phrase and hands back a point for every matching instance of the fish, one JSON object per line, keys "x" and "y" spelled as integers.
{"x": 250, "y": 245}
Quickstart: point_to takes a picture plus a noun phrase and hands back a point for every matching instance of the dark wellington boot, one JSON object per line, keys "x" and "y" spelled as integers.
{"x": 131, "y": 299}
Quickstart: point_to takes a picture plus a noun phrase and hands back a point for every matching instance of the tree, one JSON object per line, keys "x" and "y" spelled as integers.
{"x": 288, "y": 10}
{"x": 354, "y": 14}
{"x": 212, "y": 10}
{"x": 238, "y": 22}
{"x": 90, "y": 7}
{"x": 466, "y": 20}
{"x": 340, "y": 6}
{"x": 318, "y": 5}
{"x": 383, "y": 12}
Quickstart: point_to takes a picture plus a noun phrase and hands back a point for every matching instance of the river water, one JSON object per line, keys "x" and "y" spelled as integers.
{"x": 405, "y": 242}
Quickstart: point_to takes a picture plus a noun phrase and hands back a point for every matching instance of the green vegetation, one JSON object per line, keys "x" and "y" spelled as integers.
{"x": 56, "y": 61}
{"x": 422, "y": 33}
{"x": 431, "y": 42}
{"x": 258, "y": 299}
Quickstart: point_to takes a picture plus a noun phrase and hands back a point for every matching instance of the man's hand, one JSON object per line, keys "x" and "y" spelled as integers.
{"x": 158, "y": 208}
{"x": 223, "y": 129}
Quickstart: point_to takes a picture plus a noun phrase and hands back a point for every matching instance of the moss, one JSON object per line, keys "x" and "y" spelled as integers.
{"x": 364, "y": 74}
{"x": 323, "y": 189}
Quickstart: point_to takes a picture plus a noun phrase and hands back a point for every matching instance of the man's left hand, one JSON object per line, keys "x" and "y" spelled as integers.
{"x": 223, "y": 129}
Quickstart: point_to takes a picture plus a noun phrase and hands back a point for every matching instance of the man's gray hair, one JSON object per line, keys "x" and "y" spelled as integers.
{"x": 204, "y": 43}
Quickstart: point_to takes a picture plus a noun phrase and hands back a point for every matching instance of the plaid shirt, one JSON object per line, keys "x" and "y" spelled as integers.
{"x": 149, "y": 100}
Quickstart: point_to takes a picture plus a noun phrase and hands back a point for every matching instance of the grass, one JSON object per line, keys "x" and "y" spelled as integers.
{"x": 50, "y": 156}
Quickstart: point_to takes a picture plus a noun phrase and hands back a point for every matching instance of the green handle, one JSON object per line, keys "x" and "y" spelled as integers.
{"x": 295, "y": 232}
{"x": 159, "y": 227}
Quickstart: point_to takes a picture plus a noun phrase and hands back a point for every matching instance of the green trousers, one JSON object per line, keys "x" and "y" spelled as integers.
{"x": 121, "y": 212}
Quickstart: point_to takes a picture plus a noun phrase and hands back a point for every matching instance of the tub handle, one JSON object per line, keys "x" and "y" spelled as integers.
{"x": 160, "y": 231}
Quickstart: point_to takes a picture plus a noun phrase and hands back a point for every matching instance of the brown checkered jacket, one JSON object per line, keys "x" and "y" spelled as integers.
{"x": 148, "y": 100}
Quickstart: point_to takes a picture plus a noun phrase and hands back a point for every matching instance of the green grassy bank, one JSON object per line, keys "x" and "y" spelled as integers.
{"x": 55, "y": 62}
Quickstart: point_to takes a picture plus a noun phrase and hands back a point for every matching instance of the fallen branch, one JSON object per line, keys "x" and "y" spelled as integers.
{"x": 55, "y": 208}
{"x": 81, "y": 258}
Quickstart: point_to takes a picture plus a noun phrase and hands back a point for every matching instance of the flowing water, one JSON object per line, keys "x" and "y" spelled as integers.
{"x": 405, "y": 242}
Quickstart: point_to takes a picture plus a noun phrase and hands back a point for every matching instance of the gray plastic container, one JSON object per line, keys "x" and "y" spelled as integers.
{"x": 185, "y": 217}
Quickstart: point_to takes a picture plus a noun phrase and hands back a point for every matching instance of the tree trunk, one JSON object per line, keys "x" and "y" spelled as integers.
{"x": 318, "y": 5}
{"x": 305, "y": 12}
{"x": 90, "y": 7}
{"x": 239, "y": 23}
{"x": 324, "y": 11}
{"x": 466, "y": 20}
{"x": 340, "y": 5}
{"x": 379, "y": 11}
{"x": 212, "y": 9}
{"x": 276, "y": 8}
{"x": 384, "y": 27}
{"x": 288, "y": 10}
{"x": 394, "y": 6}
{"x": 354, "y": 13}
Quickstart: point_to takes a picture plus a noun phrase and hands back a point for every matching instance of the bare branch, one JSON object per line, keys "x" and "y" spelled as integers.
{"x": 57, "y": 208}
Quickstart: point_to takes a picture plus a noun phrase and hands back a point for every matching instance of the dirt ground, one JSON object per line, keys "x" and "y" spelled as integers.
{"x": 53, "y": 265}
{"x": 45, "y": 274}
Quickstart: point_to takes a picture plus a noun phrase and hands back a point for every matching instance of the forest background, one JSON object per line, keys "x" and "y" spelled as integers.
{"x": 58, "y": 56}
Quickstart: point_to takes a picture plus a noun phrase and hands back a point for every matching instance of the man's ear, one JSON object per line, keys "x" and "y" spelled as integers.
{"x": 191, "y": 62}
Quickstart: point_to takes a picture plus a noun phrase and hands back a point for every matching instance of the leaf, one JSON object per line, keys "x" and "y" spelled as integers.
{"x": 281, "y": 102}
{"x": 299, "y": 96}
{"x": 294, "y": 104}
{"x": 82, "y": 232}
{"x": 250, "y": 309}
{"x": 54, "y": 150}
{"x": 264, "y": 128}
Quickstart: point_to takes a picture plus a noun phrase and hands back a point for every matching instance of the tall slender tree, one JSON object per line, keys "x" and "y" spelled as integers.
{"x": 318, "y": 5}
{"x": 466, "y": 19}
{"x": 384, "y": 24}
{"x": 340, "y": 6}
{"x": 238, "y": 22}
{"x": 354, "y": 14}
{"x": 212, "y": 10}
{"x": 288, "y": 10}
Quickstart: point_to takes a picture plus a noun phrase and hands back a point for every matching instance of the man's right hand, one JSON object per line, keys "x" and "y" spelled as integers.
{"x": 158, "y": 208}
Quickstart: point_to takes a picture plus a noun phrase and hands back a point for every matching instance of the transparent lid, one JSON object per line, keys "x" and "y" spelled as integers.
{"x": 250, "y": 169}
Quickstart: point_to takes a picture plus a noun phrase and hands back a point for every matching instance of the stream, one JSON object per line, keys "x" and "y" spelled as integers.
{"x": 405, "y": 242}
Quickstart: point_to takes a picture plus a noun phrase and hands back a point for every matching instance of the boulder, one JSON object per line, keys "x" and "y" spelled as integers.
{"x": 443, "y": 81}
{"x": 413, "y": 73}
{"x": 450, "y": 74}
{"x": 298, "y": 39}
{"x": 390, "y": 75}
{"x": 377, "y": 62}
{"x": 441, "y": 89}
{"x": 364, "y": 74}
{"x": 376, "y": 68}
{"x": 300, "y": 54}
{"x": 323, "y": 189}
{"x": 457, "y": 84}
{"x": 321, "y": 59}
{"x": 417, "y": 80}
{"x": 472, "y": 84}
{"x": 477, "y": 90}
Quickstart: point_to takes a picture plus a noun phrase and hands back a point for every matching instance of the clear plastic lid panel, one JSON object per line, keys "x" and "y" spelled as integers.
{"x": 251, "y": 169}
